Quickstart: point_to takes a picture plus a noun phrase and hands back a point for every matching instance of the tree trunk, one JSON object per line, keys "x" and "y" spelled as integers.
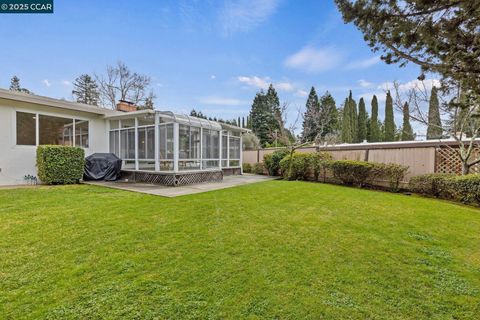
{"x": 465, "y": 168}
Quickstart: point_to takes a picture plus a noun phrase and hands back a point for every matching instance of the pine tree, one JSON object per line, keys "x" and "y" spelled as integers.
{"x": 85, "y": 89}
{"x": 312, "y": 108}
{"x": 328, "y": 115}
{"x": 362, "y": 121}
{"x": 15, "y": 85}
{"x": 260, "y": 118}
{"x": 389, "y": 134}
{"x": 407, "y": 131}
{"x": 434, "y": 129}
{"x": 374, "y": 125}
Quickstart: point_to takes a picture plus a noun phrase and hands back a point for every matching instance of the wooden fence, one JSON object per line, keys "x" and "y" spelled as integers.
{"x": 420, "y": 156}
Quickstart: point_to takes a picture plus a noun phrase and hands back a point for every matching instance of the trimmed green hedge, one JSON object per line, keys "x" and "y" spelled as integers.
{"x": 432, "y": 184}
{"x": 464, "y": 189}
{"x": 60, "y": 164}
{"x": 351, "y": 172}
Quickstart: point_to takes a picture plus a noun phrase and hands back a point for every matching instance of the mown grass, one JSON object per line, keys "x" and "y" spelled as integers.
{"x": 288, "y": 250}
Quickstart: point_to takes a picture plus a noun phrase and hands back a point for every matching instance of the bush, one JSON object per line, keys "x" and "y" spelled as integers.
{"x": 60, "y": 164}
{"x": 393, "y": 173}
{"x": 247, "y": 168}
{"x": 465, "y": 188}
{"x": 271, "y": 161}
{"x": 304, "y": 166}
{"x": 352, "y": 172}
{"x": 432, "y": 184}
{"x": 258, "y": 168}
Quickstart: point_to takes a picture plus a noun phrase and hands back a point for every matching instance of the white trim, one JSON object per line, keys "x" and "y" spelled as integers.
{"x": 136, "y": 143}
{"x": 175, "y": 146}
{"x": 157, "y": 143}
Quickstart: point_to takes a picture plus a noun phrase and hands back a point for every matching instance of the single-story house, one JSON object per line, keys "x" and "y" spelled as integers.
{"x": 155, "y": 146}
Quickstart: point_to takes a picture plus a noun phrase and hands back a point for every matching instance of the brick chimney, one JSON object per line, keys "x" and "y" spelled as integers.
{"x": 126, "y": 106}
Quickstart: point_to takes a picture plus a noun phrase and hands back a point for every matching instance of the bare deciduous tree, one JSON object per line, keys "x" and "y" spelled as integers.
{"x": 120, "y": 83}
{"x": 461, "y": 111}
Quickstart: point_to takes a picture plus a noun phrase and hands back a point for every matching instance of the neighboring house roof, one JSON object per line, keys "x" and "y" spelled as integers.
{"x": 51, "y": 102}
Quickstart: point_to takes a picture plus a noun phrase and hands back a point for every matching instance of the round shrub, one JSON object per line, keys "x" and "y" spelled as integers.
{"x": 272, "y": 161}
{"x": 247, "y": 168}
{"x": 304, "y": 166}
{"x": 258, "y": 168}
{"x": 351, "y": 172}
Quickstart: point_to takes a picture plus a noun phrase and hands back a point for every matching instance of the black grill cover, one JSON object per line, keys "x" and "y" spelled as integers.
{"x": 102, "y": 166}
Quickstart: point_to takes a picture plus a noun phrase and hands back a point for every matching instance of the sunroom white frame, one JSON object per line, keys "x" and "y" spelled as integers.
{"x": 167, "y": 119}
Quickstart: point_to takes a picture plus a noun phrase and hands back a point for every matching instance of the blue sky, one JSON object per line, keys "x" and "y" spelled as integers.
{"x": 209, "y": 55}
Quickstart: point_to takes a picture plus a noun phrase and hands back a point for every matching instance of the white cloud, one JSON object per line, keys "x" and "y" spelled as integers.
{"x": 264, "y": 83}
{"x": 66, "y": 83}
{"x": 46, "y": 83}
{"x": 261, "y": 83}
{"x": 284, "y": 86}
{"x": 213, "y": 77}
{"x": 404, "y": 87}
{"x": 159, "y": 84}
{"x": 314, "y": 60}
{"x": 301, "y": 93}
{"x": 245, "y": 15}
{"x": 364, "y": 83}
{"x": 222, "y": 101}
{"x": 362, "y": 64}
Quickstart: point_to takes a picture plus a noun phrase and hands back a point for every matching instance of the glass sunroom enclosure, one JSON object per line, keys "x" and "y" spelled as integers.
{"x": 162, "y": 141}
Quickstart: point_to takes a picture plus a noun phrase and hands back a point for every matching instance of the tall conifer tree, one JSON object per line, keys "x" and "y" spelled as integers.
{"x": 434, "y": 129}
{"x": 374, "y": 125}
{"x": 407, "y": 131}
{"x": 362, "y": 121}
{"x": 389, "y": 133}
{"x": 260, "y": 116}
{"x": 347, "y": 125}
{"x": 85, "y": 90}
{"x": 312, "y": 109}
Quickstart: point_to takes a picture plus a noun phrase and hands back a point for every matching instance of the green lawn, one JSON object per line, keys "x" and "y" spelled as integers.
{"x": 288, "y": 250}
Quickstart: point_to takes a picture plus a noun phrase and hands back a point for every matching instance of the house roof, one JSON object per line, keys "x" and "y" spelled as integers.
{"x": 107, "y": 113}
{"x": 55, "y": 103}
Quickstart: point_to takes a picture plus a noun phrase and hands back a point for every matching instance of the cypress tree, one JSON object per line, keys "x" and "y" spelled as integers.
{"x": 374, "y": 126}
{"x": 389, "y": 134}
{"x": 407, "y": 131}
{"x": 353, "y": 118}
{"x": 362, "y": 121}
{"x": 434, "y": 129}
{"x": 347, "y": 122}
{"x": 243, "y": 122}
{"x": 312, "y": 108}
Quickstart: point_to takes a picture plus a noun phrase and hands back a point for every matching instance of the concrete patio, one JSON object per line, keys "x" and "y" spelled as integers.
{"x": 164, "y": 191}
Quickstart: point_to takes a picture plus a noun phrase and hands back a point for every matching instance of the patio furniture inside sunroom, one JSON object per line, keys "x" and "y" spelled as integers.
{"x": 161, "y": 142}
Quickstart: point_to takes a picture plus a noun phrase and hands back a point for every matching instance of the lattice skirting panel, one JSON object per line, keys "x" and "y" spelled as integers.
{"x": 231, "y": 171}
{"x": 170, "y": 179}
{"x": 447, "y": 161}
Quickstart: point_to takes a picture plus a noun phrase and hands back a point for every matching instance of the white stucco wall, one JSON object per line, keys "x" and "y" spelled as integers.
{"x": 18, "y": 161}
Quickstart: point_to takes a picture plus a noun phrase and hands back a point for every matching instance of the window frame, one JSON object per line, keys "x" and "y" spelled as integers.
{"x": 37, "y": 126}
